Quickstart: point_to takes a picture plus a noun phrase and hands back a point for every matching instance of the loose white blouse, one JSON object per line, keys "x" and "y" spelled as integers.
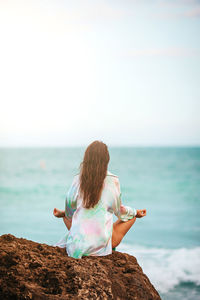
{"x": 91, "y": 229}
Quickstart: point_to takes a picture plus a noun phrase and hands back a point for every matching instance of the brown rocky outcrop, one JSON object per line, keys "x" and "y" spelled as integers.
{"x": 30, "y": 270}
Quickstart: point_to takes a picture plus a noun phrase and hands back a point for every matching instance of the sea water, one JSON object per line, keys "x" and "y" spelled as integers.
{"x": 164, "y": 180}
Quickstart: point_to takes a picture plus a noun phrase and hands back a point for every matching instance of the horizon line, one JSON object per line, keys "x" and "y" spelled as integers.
{"x": 110, "y": 146}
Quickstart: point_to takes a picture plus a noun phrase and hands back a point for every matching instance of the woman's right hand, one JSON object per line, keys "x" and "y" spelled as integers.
{"x": 141, "y": 213}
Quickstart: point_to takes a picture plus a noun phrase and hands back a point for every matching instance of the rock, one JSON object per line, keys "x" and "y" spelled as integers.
{"x": 30, "y": 270}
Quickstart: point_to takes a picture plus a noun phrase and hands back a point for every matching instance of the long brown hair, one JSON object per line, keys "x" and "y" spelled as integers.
{"x": 93, "y": 170}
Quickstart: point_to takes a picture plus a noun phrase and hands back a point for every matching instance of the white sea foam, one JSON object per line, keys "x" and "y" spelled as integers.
{"x": 167, "y": 267}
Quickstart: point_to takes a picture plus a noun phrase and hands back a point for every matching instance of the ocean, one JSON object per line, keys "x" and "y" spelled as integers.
{"x": 164, "y": 180}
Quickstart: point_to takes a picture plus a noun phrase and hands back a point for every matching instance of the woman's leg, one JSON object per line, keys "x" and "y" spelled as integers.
{"x": 120, "y": 228}
{"x": 61, "y": 214}
{"x": 67, "y": 222}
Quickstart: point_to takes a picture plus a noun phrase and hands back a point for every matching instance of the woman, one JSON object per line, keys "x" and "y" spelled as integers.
{"x": 90, "y": 203}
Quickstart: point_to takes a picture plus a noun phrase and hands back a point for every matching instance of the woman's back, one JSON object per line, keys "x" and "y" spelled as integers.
{"x": 91, "y": 229}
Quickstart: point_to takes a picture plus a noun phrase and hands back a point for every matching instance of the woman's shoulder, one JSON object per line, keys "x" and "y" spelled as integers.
{"x": 77, "y": 176}
{"x": 113, "y": 180}
{"x": 112, "y": 175}
{"x": 76, "y": 179}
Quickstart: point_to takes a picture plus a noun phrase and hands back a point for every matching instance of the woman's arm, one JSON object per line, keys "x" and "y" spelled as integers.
{"x": 123, "y": 212}
{"x": 70, "y": 203}
{"x": 71, "y": 199}
{"x": 140, "y": 212}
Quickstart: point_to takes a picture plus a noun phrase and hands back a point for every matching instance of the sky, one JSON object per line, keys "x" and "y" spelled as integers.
{"x": 124, "y": 72}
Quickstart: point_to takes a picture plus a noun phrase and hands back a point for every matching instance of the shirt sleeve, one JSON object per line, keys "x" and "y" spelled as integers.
{"x": 71, "y": 199}
{"x": 130, "y": 212}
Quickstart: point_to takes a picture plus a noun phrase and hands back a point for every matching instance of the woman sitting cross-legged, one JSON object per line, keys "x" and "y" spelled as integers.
{"x": 90, "y": 203}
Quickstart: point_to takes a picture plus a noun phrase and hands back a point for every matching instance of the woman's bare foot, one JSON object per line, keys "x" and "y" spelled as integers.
{"x": 58, "y": 213}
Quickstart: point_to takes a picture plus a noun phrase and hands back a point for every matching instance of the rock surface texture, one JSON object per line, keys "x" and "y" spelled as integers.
{"x": 29, "y": 270}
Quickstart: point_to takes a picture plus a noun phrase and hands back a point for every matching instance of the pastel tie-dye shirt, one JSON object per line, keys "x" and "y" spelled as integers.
{"x": 91, "y": 230}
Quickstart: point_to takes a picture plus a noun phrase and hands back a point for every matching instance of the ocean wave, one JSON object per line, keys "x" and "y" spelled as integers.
{"x": 166, "y": 268}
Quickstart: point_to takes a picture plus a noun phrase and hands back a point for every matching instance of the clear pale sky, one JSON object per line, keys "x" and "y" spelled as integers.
{"x": 125, "y": 72}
